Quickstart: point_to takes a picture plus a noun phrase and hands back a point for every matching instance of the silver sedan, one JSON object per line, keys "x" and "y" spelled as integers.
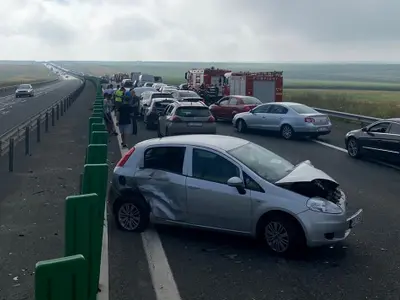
{"x": 287, "y": 118}
{"x": 229, "y": 184}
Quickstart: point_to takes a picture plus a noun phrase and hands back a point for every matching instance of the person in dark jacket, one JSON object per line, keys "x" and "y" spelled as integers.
{"x": 134, "y": 102}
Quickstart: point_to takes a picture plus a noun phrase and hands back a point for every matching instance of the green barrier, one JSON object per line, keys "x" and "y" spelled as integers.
{"x": 97, "y": 111}
{"x": 97, "y": 115}
{"x": 61, "y": 279}
{"x": 97, "y": 154}
{"x": 98, "y": 106}
{"x": 95, "y": 180}
{"x": 94, "y": 120}
{"x": 99, "y": 137}
{"x": 83, "y": 235}
{"x": 98, "y": 127}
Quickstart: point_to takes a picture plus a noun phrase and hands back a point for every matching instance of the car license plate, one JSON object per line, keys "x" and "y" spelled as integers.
{"x": 195, "y": 124}
{"x": 322, "y": 129}
{"x": 355, "y": 219}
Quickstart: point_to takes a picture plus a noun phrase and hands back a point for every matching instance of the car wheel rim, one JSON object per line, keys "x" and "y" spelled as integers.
{"x": 286, "y": 132}
{"x": 240, "y": 126}
{"x": 129, "y": 216}
{"x": 277, "y": 237}
{"x": 352, "y": 148}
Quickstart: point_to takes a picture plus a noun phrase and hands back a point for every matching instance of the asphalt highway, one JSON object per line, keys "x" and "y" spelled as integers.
{"x": 218, "y": 266}
{"x": 13, "y": 110}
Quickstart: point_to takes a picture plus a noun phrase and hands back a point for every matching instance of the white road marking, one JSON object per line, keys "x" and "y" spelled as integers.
{"x": 331, "y": 146}
{"x": 160, "y": 271}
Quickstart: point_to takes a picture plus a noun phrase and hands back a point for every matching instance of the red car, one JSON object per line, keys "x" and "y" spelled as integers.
{"x": 229, "y": 106}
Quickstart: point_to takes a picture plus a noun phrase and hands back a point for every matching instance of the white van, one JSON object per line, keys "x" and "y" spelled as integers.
{"x": 145, "y": 78}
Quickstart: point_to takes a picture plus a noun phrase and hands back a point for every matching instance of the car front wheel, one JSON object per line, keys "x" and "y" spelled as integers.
{"x": 282, "y": 235}
{"x": 132, "y": 216}
{"x": 241, "y": 126}
{"x": 353, "y": 148}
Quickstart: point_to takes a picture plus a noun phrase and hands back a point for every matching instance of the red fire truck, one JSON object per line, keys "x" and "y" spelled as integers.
{"x": 209, "y": 76}
{"x": 266, "y": 86}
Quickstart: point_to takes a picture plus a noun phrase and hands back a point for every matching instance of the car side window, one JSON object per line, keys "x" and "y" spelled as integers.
{"x": 278, "y": 109}
{"x": 394, "y": 128}
{"x": 224, "y": 101}
{"x": 250, "y": 184}
{"x": 261, "y": 109}
{"x": 170, "y": 110}
{"x": 168, "y": 159}
{"x": 380, "y": 127}
{"x": 209, "y": 166}
{"x": 233, "y": 101}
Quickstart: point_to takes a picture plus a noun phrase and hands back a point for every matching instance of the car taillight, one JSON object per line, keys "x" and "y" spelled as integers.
{"x": 309, "y": 120}
{"x": 247, "y": 108}
{"x": 124, "y": 159}
{"x": 211, "y": 119}
{"x": 176, "y": 119}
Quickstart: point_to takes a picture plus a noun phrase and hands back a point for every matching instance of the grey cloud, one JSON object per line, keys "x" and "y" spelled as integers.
{"x": 132, "y": 28}
{"x": 354, "y": 21}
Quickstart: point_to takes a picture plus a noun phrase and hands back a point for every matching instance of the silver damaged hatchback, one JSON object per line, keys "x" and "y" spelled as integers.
{"x": 229, "y": 184}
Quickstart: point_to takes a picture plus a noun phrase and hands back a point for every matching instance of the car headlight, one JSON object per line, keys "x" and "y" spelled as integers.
{"x": 323, "y": 206}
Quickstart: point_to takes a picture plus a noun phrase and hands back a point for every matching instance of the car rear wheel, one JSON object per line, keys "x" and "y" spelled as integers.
{"x": 353, "y": 149}
{"x": 282, "y": 235}
{"x": 133, "y": 216}
{"x": 241, "y": 126}
{"x": 287, "y": 132}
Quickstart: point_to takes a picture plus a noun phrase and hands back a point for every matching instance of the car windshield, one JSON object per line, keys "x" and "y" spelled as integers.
{"x": 193, "y": 111}
{"x": 251, "y": 100}
{"x": 128, "y": 84}
{"x": 188, "y": 94}
{"x": 303, "y": 109}
{"x": 163, "y": 95}
{"x": 190, "y": 99}
{"x": 24, "y": 86}
{"x": 263, "y": 162}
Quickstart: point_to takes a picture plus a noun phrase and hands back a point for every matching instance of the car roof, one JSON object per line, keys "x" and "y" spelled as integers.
{"x": 397, "y": 120}
{"x": 214, "y": 141}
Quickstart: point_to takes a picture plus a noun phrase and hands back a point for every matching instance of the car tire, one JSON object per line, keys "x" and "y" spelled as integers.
{"x": 353, "y": 148}
{"x": 132, "y": 216}
{"x": 287, "y": 132}
{"x": 166, "y": 132}
{"x": 282, "y": 235}
{"x": 241, "y": 126}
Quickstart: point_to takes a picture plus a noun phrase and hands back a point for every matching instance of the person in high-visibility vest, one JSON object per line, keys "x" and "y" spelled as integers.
{"x": 119, "y": 94}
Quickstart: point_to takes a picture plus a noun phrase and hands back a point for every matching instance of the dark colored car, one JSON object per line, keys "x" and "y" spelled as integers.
{"x": 154, "y": 110}
{"x": 379, "y": 140}
{"x": 227, "y": 107}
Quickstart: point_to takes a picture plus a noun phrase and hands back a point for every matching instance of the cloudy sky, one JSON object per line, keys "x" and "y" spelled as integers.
{"x": 201, "y": 30}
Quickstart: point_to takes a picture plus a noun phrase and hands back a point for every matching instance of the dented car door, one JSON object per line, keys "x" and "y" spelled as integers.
{"x": 162, "y": 182}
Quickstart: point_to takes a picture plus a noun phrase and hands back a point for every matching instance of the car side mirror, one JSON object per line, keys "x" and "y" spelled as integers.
{"x": 237, "y": 183}
{"x": 364, "y": 129}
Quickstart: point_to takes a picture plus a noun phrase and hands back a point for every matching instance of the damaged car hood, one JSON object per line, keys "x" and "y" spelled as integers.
{"x": 305, "y": 172}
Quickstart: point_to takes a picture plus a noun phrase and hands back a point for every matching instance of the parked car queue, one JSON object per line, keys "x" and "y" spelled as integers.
{"x": 379, "y": 140}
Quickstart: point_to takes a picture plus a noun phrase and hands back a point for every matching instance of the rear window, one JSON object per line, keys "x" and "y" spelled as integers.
{"x": 188, "y": 94}
{"x": 191, "y": 99}
{"x": 163, "y": 95}
{"x": 250, "y": 100}
{"x": 193, "y": 112}
{"x": 162, "y": 103}
{"x": 303, "y": 109}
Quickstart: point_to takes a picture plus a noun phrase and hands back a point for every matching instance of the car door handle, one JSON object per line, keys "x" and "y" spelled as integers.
{"x": 193, "y": 187}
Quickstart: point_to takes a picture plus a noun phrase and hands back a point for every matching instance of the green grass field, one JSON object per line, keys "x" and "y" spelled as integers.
{"x": 13, "y": 72}
{"x": 367, "y": 89}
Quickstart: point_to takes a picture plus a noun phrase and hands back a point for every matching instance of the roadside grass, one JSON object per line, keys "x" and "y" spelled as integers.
{"x": 379, "y": 104}
{"x": 13, "y": 73}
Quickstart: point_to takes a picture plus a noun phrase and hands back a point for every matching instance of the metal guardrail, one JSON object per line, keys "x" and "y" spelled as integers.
{"x": 347, "y": 116}
{"x": 48, "y": 116}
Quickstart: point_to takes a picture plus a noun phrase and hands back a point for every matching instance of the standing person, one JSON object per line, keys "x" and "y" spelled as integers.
{"x": 135, "y": 107}
{"x": 118, "y": 95}
{"x": 124, "y": 120}
{"x": 108, "y": 106}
